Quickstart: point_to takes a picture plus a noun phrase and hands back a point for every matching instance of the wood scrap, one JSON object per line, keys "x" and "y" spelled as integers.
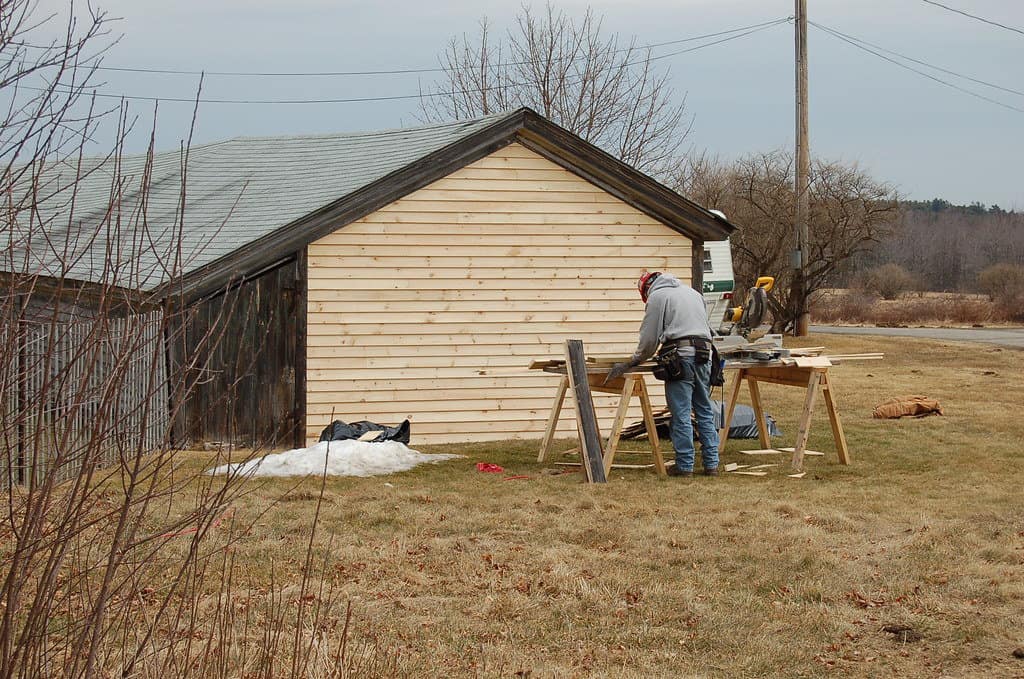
{"x": 798, "y": 475}
{"x": 764, "y": 466}
{"x": 764, "y": 451}
{"x": 732, "y": 466}
{"x": 812, "y": 453}
{"x": 614, "y": 466}
{"x": 746, "y": 473}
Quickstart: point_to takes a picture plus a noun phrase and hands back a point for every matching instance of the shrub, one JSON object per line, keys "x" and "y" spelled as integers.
{"x": 889, "y": 281}
{"x": 849, "y": 307}
{"x": 1004, "y": 284}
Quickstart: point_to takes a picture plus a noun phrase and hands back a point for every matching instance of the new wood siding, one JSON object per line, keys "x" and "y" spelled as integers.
{"x": 432, "y": 307}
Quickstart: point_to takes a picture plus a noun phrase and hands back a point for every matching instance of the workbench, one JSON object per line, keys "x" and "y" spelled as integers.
{"x": 808, "y": 377}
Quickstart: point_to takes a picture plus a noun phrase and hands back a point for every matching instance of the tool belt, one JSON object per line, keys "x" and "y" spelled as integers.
{"x": 671, "y": 365}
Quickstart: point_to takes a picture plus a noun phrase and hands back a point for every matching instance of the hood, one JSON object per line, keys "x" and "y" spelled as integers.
{"x": 664, "y": 282}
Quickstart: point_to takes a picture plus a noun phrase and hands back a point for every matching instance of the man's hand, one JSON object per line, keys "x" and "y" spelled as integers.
{"x": 617, "y": 371}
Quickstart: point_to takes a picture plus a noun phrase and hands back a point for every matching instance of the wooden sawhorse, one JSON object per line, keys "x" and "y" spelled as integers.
{"x": 627, "y": 386}
{"x": 790, "y": 376}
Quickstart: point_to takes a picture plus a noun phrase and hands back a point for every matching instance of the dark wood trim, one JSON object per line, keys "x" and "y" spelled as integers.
{"x": 301, "y": 320}
{"x": 697, "y": 266}
{"x": 524, "y": 126}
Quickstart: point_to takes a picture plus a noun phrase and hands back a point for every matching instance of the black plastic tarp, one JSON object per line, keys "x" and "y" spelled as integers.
{"x": 341, "y": 431}
{"x": 743, "y": 424}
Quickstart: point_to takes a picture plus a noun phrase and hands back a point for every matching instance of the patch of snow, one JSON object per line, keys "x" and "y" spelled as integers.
{"x": 343, "y": 458}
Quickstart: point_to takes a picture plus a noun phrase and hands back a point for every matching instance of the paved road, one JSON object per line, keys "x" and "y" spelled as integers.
{"x": 1007, "y": 337}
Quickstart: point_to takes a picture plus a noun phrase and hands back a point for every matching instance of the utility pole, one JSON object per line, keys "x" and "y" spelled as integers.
{"x": 803, "y": 170}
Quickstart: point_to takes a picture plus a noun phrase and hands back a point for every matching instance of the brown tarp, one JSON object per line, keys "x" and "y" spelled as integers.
{"x": 906, "y": 406}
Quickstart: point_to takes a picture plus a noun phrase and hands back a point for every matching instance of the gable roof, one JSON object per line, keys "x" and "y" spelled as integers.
{"x": 249, "y": 202}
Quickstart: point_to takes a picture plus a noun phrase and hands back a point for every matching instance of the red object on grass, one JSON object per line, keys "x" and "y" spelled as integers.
{"x": 518, "y": 476}
{"x": 489, "y": 468}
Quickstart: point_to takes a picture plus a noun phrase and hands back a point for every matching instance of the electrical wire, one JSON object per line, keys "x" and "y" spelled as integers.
{"x": 853, "y": 41}
{"x": 917, "y": 61}
{"x": 974, "y": 16}
{"x": 397, "y": 97}
{"x": 406, "y": 71}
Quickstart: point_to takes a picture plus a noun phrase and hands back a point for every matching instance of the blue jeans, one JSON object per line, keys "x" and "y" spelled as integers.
{"x": 682, "y": 396}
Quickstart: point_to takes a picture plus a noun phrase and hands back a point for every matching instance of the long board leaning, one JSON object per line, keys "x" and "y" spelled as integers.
{"x": 586, "y": 418}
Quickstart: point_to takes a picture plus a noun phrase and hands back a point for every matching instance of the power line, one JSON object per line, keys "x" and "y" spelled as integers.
{"x": 853, "y": 42}
{"x": 398, "y": 97}
{"x": 406, "y": 71}
{"x": 974, "y": 16}
{"x": 918, "y": 61}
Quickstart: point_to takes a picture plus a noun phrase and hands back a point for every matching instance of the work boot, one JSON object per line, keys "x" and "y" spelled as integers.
{"x": 673, "y": 470}
{"x": 711, "y": 472}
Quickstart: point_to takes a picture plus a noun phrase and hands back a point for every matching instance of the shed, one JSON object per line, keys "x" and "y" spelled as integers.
{"x": 406, "y": 273}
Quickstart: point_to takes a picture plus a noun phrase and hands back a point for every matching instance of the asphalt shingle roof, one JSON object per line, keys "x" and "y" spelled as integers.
{"x": 237, "y": 191}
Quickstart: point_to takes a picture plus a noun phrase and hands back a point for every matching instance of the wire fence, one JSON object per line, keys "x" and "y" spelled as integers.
{"x": 83, "y": 392}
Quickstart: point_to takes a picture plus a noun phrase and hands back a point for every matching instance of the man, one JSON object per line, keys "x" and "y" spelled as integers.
{"x": 675, "y": 319}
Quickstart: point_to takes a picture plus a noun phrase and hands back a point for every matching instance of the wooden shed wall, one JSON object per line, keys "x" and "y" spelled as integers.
{"x": 246, "y": 346}
{"x": 432, "y": 307}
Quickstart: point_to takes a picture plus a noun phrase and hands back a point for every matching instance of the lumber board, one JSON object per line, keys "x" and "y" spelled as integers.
{"x": 615, "y": 465}
{"x": 743, "y": 472}
{"x": 586, "y": 418}
{"x": 764, "y": 451}
{"x": 812, "y": 362}
{"x": 812, "y": 453}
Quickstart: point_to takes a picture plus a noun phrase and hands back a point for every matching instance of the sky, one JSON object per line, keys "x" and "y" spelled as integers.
{"x": 925, "y": 138}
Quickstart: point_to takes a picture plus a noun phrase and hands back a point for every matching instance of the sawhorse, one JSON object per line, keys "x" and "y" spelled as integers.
{"x": 790, "y": 376}
{"x": 627, "y": 386}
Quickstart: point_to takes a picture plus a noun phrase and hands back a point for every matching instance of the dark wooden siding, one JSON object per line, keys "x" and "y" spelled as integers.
{"x": 246, "y": 349}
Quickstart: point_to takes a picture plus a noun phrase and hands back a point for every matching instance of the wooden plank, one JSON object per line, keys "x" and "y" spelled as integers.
{"x": 539, "y": 206}
{"x": 804, "y": 424}
{"x": 807, "y": 453}
{"x": 495, "y": 238}
{"x": 628, "y": 388}
{"x": 552, "y": 425}
{"x": 734, "y": 395}
{"x": 764, "y": 451}
{"x": 398, "y": 274}
{"x": 746, "y": 473}
{"x": 586, "y": 418}
{"x": 812, "y": 362}
{"x": 789, "y": 377}
{"x": 833, "y": 418}
{"x": 614, "y": 466}
{"x": 652, "y": 428}
{"x": 762, "y": 423}
{"x": 479, "y": 266}
{"x": 532, "y": 223}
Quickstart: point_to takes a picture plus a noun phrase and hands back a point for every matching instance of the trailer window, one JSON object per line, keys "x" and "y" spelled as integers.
{"x": 707, "y": 262}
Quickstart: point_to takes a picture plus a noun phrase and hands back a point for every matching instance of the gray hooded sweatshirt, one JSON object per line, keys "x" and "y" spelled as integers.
{"x": 674, "y": 310}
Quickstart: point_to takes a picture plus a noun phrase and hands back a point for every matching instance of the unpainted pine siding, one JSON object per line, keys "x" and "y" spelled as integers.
{"x": 432, "y": 307}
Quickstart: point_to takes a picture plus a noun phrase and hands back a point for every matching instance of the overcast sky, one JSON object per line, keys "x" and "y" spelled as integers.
{"x": 927, "y": 139}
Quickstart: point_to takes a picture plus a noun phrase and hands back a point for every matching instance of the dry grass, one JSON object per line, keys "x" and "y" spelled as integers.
{"x": 911, "y": 309}
{"x": 460, "y": 573}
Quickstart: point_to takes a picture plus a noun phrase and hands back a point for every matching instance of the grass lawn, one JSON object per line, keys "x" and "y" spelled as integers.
{"x": 461, "y": 573}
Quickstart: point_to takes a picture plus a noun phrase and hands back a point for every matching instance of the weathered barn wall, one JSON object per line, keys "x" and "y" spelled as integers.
{"x": 431, "y": 307}
{"x": 247, "y": 351}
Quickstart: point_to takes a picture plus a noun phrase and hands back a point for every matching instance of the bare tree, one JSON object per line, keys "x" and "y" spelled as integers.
{"x": 116, "y": 554}
{"x": 593, "y": 84}
{"x": 850, "y": 212}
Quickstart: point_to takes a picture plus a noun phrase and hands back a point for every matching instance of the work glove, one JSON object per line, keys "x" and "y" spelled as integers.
{"x": 617, "y": 371}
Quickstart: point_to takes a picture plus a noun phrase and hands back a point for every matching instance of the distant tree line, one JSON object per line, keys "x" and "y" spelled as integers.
{"x": 946, "y": 246}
